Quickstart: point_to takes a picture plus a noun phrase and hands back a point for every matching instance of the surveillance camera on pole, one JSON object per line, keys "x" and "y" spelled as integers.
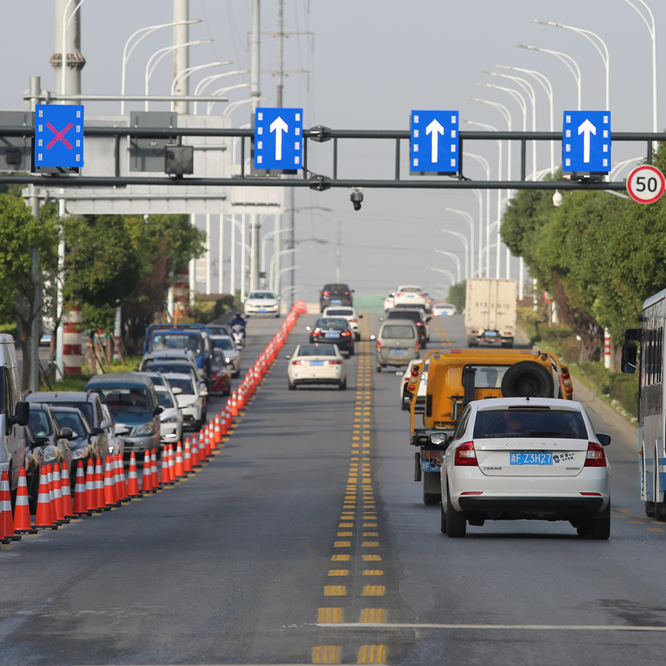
{"x": 357, "y": 198}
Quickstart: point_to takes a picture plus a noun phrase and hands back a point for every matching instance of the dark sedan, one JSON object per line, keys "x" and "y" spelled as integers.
{"x": 335, "y": 294}
{"x": 335, "y": 330}
{"x": 85, "y": 441}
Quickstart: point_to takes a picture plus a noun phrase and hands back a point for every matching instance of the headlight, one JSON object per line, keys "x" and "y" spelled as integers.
{"x": 50, "y": 454}
{"x": 227, "y": 359}
{"x": 146, "y": 429}
{"x": 171, "y": 420}
{"x": 79, "y": 453}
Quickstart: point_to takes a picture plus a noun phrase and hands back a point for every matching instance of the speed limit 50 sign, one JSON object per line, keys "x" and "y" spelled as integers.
{"x": 646, "y": 184}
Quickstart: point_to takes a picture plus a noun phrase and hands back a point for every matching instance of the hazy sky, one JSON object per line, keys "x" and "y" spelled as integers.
{"x": 368, "y": 62}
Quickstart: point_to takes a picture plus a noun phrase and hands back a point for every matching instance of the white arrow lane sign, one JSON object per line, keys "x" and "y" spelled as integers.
{"x": 585, "y": 128}
{"x": 278, "y": 126}
{"x": 434, "y": 129}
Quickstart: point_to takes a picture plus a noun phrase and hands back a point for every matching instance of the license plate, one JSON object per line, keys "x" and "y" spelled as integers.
{"x": 262, "y": 309}
{"x": 410, "y": 296}
{"x": 332, "y": 335}
{"x": 398, "y": 352}
{"x": 531, "y": 458}
{"x": 336, "y": 301}
{"x": 490, "y": 334}
{"x": 316, "y": 362}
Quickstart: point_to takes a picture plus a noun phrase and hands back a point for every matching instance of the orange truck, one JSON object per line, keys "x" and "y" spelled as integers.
{"x": 454, "y": 378}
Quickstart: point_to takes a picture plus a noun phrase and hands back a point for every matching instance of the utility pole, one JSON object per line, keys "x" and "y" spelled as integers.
{"x": 339, "y": 253}
{"x": 255, "y": 69}
{"x": 181, "y": 56}
{"x": 280, "y": 52}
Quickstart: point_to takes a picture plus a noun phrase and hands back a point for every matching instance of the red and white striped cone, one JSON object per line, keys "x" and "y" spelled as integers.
{"x": 187, "y": 457}
{"x": 91, "y": 489}
{"x": 66, "y": 489}
{"x": 57, "y": 495}
{"x": 6, "y": 516}
{"x": 153, "y": 463}
{"x": 165, "y": 475}
{"x": 217, "y": 429}
{"x": 22, "y": 524}
{"x": 147, "y": 474}
{"x": 179, "y": 468}
{"x": 99, "y": 485}
{"x": 121, "y": 484}
{"x": 109, "y": 485}
{"x": 80, "y": 492}
{"x": 133, "y": 480}
{"x": 54, "y": 511}
{"x": 44, "y": 517}
{"x": 196, "y": 461}
{"x": 172, "y": 465}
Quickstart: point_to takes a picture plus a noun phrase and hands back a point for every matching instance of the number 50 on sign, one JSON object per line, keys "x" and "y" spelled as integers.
{"x": 646, "y": 184}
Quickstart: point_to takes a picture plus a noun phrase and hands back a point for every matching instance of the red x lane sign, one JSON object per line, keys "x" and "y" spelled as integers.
{"x": 59, "y": 135}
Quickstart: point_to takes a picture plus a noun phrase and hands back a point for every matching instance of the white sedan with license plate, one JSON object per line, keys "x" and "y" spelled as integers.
{"x": 535, "y": 459}
{"x": 317, "y": 364}
{"x": 349, "y": 314}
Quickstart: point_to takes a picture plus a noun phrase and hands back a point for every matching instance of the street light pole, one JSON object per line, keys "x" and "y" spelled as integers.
{"x": 456, "y": 259}
{"x": 464, "y": 241}
{"x": 486, "y": 166}
{"x": 186, "y": 73}
{"x": 448, "y": 274}
{"x": 470, "y": 220}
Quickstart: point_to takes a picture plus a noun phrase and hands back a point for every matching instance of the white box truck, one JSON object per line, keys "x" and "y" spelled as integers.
{"x": 490, "y": 311}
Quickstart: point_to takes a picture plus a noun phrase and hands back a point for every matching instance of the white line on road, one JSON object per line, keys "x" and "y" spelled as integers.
{"x": 501, "y": 627}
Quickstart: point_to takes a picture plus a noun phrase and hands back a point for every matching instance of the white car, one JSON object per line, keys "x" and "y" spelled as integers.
{"x": 262, "y": 303}
{"x": 409, "y": 294}
{"x": 405, "y": 395}
{"x": 317, "y": 364}
{"x": 233, "y": 355}
{"x": 171, "y": 418}
{"x": 345, "y": 313}
{"x": 444, "y": 309}
{"x": 526, "y": 458}
{"x": 388, "y": 301}
{"x": 191, "y": 399}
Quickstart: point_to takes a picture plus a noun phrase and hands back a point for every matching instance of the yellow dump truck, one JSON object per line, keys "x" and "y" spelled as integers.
{"x": 455, "y": 377}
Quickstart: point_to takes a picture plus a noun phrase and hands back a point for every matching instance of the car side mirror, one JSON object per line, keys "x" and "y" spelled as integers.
{"x": 203, "y": 391}
{"x": 439, "y": 439}
{"x": 428, "y": 319}
{"x": 121, "y": 430}
{"x": 157, "y": 411}
{"x": 22, "y": 415}
{"x": 106, "y": 423}
{"x": 381, "y": 318}
{"x": 97, "y": 431}
{"x": 176, "y": 390}
{"x": 40, "y": 440}
{"x": 629, "y": 358}
{"x": 288, "y": 357}
{"x": 360, "y": 316}
{"x": 604, "y": 440}
{"x": 373, "y": 337}
{"x": 67, "y": 433}
{"x": 308, "y": 328}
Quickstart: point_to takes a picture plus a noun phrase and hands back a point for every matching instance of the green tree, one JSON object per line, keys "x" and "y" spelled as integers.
{"x": 20, "y": 232}
{"x": 458, "y": 294}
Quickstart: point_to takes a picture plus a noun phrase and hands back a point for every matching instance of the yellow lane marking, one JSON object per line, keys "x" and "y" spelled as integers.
{"x": 350, "y": 525}
{"x": 340, "y": 558}
{"x": 654, "y": 529}
{"x": 326, "y": 654}
{"x": 373, "y": 572}
{"x": 372, "y": 616}
{"x": 625, "y": 510}
{"x": 327, "y": 615}
{"x": 342, "y": 544}
{"x": 372, "y": 558}
{"x": 372, "y": 654}
{"x": 345, "y": 534}
{"x": 370, "y": 534}
{"x": 373, "y": 591}
{"x": 370, "y": 544}
{"x": 338, "y": 572}
{"x": 636, "y": 522}
{"x": 335, "y": 590}
{"x": 369, "y": 524}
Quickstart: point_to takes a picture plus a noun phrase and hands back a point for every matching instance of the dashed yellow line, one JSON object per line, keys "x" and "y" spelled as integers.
{"x": 335, "y": 590}
{"x": 372, "y": 616}
{"x": 373, "y": 591}
{"x": 326, "y": 654}
{"x": 372, "y": 654}
{"x": 330, "y": 615}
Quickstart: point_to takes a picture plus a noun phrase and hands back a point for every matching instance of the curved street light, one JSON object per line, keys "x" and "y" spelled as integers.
{"x": 274, "y": 287}
{"x": 462, "y": 238}
{"x": 455, "y": 258}
{"x": 448, "y": 274}
{"x": 63, "y": 58}
{"x": 207, "y": 80}
{"x": 185, "y": 74}
{"x": 234, "y": 105}
{"x": 470, "y": 220}
{"x": 222, "y": 91}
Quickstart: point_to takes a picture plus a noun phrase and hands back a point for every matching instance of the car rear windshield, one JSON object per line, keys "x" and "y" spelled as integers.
{"x": 412, "y": 315}
{"x": 333, "y": 324}
{"x": 336, "y": 288}
{"x": 223, "y": 343}
{"x": 346, "y": 312}
{"x": 164, "y": 399}
{"x": 71, "y": 420}
{"x": 40, "y": 423}
{"x": 559, "y": 424}
{"x": 85, "y": 407}
{"x": 396, "y": 332}
{"x": 162, "y": 367}
{"x": 125, "y": 400}
{"x": 185, "y": 385}
{"x": 317, "y": 350}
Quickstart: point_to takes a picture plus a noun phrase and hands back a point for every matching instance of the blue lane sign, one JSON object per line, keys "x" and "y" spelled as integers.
{"x": 586, "y": 141}
{"x": 59, "y": 135}
{"x": 278, "y": 138}
{"x": 435, "y": 142}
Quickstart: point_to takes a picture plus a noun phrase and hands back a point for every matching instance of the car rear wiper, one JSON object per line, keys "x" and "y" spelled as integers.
{"x": 546, "y": 433}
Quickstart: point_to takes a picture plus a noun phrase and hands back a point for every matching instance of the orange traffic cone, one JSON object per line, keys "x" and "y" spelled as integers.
{"x": 22, "y": 524}
{"x": 99, "y": 485}
{"x": 133, "y": 482}
{"x": 196, "y": 462}
{"x": 121, "y": 484}
{"x": 49, "y": 478}
{"x": 80, "y": 494}
{"x": 109, "y": 485}
{"x": 6, "y": 517}
{"x": 57, "y": 495}
{"x": 147, "y": 474}
{"x": 91, "y": 490}
{"x": 153, "y": 463}
{"x": 187, "y": 457}
{"x": 217, "y": 429}
{"x": 165, "y": 477}
{"x": 207, "y": 445}
{"x": 172, "y": 465}
{"x": 44, "y": 518}
{"x": 179, "y": 468}
{"x": 234, "y": 405}
{"x": 65, "y": 485}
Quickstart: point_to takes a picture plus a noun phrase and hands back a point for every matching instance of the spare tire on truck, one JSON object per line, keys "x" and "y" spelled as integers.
{"x": 527, "y": 379}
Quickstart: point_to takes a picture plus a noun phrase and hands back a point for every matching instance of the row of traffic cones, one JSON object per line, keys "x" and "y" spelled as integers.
{"x": 98, "y": 489}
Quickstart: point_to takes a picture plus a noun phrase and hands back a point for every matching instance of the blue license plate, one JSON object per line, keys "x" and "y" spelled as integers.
{"x": 332, "y": 335}
{"x": 531, "y": 458}
{"x": 398, "y": 352}
{"x": 262, "y": 309}
{"x": 336, "y": 301}
{"x": 316, "y": 362}
{"x": 410, "y": 296}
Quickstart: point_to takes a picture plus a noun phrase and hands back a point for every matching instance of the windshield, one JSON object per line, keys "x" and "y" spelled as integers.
{"x": 39, "y": 423}
{"x": 262, "y": 295}
{"x": 218, "y": 357}
{"x": 340, "y": 313}
{"x": 396, "y": 332}
{"x": 71, "y": 420}
{"x": 332, "y": 324}
{"x": 488, "y": 376}
{"x": 412, "y": 315}
{"x": 336, "y": 288}
{"x": 161, "y": 366}
{"x": 164, "y": 399}
{"x": 85, "y": 407}
{"x": 223, "y": 343}
{"x": 317, "y": 350}
{"x": 218, "y": 330}
{"x": 185, "y": 385}
{"x": 191, "y": 341}
{"x": 530, "y": 423}
{"x": 121, "y": 400}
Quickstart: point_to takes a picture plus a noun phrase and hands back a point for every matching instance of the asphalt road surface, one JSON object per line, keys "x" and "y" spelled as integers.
{"x": 305, "y": 540}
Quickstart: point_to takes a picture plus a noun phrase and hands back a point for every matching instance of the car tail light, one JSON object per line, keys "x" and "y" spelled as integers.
{"x": 475, "y": 332}
{"x": 596, "y": 457}
{"x": 472, "y": 492}
{"x": 591, "y": 494}
{"x": 345, "y": 334}
{"x": 335, "y": 362}
{"x": 345, "y": 293}
{"x": 298, "y": 362}
{"x": 353, "y": 321}
{"x": 422, "y": 295}
{"x": 566, "y": 379}
{"x": 324, "y": 293}
{"x": 417, "y": 346}
{"x": 466, "y": 455}
{"x": 379, "y": 346}
{"x": 419, "y": 323}
{"x": 316, "y": 333}
{"x": 411, "y": 387}
{"x": 399, "y": 293}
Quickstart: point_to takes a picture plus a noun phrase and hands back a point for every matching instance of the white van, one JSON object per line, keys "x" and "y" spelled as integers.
{"x": 14, "y": 412}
